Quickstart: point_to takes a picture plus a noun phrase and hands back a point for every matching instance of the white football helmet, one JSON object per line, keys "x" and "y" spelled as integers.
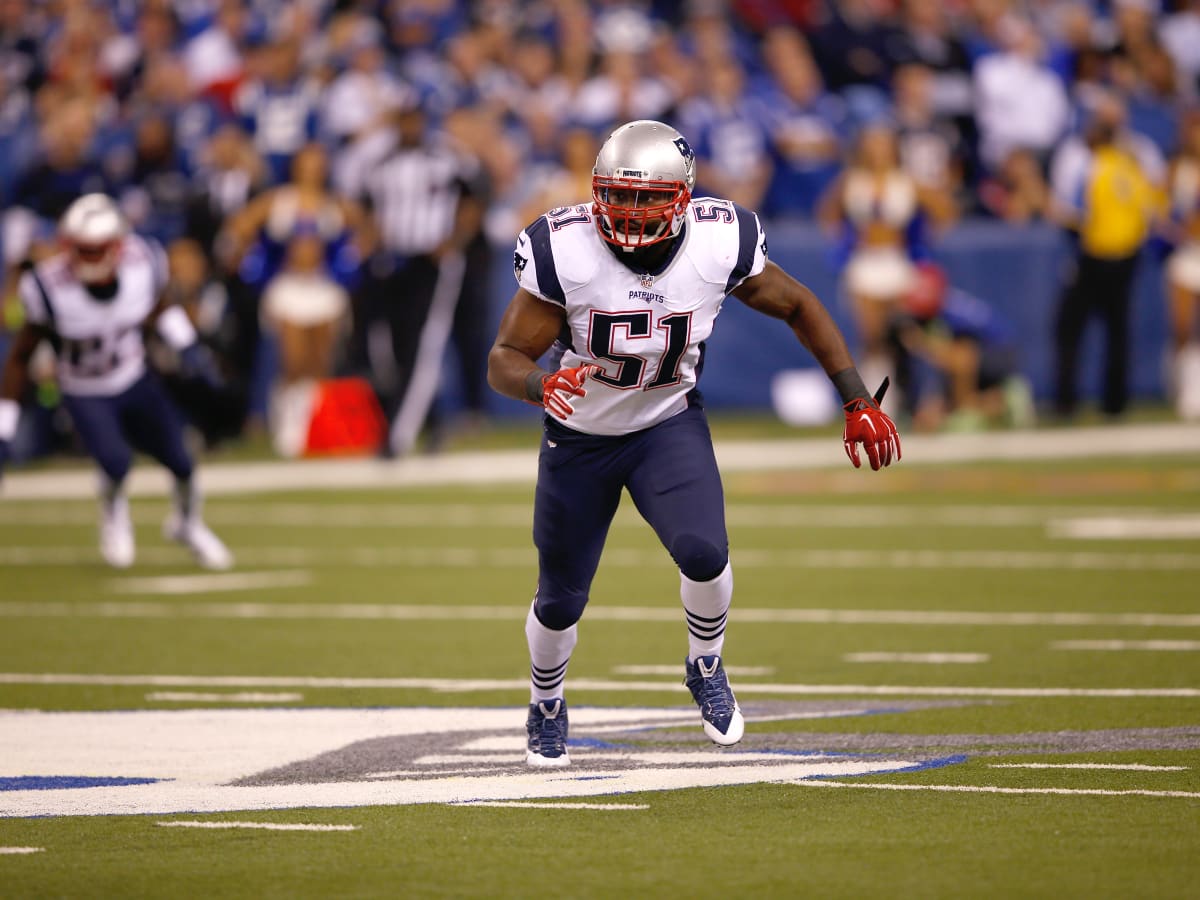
{"x": 642, "y": 184}
{"x": 91, "y": 231}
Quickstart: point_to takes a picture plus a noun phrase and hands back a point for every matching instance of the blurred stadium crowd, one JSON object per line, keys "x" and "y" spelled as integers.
{"x": 245, "y": 135}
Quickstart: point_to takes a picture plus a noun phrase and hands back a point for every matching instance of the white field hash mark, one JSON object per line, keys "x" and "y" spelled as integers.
{"x": 1119, "y": 767}
{"x": 241, "y": 697}
{"x": 929, "y": 658}
{"x": 4, "y": 851}
{"x": 516, "y": 804}
{"x": 265, "y": 826}
{"x": 992, "y": 789}
{"x": 1156, "y": 646}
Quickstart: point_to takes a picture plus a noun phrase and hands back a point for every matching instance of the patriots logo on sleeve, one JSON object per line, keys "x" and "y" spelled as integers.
{"x": 519, "y": 263}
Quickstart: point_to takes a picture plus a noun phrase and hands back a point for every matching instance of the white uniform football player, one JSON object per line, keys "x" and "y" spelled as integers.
{"x": 93, "y": 302}
{"x": 626, "y": 290}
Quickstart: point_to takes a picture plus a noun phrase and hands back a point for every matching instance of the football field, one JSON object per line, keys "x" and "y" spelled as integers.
{"x": 976, "y": 674}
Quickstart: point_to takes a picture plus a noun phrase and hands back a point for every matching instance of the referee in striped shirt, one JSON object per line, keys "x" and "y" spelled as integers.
{"x": 427, "y": 201}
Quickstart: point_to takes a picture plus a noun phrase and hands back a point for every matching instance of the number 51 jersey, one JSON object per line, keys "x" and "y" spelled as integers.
{"x": 646, "y": 330}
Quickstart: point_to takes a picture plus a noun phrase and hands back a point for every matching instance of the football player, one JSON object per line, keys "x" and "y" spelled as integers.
{"x": 92, "y": 302}
{"x": 626, "y": 290}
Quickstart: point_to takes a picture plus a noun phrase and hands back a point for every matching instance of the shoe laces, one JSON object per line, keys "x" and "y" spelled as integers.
{"x": 549, "y": 732}
{"x": 711, "y": 692}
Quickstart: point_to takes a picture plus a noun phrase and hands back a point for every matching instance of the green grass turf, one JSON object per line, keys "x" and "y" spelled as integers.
{"x": 766, "y": 840}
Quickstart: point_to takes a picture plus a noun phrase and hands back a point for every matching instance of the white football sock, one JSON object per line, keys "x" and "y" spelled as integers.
{"x": 706, "y": 605}
{"x": 549, "y": 653}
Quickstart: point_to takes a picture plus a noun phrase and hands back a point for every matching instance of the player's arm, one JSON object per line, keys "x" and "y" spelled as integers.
{"x": 13, "y": 381}
{"x": 170, "y": 321}
{"x": 775, "y": 293}
{"x": 527, "y": 330}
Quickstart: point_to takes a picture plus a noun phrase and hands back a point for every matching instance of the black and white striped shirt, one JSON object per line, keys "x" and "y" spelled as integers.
{"x": 415, "y": 191}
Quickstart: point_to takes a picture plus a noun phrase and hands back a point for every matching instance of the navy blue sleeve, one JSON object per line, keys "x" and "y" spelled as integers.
{"x": 747, "y": 244}
{"x": 543, "y": 261}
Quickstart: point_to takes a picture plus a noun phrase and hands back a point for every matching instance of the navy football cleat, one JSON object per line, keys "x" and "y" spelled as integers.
{"x": 547, "y": 728}
{"x": 723, "y": 721}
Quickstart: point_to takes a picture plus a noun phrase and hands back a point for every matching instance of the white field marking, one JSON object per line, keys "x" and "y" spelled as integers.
{"x": 463, "y": 686}
{"x": 516, "y": 804}
{"x": 453, "y": 613}
{"x": 1121, "y": 767}
{"x": 990, "y": 789}
{"x": 520, "y": 466}
{"x": 243, "y": 697}
{"x": 744, "y": 671}
{"x": 492, "y": 515}
{"x": 1160, "y": 527}
{"x": 475, "y": 557}
{"x": 16, "y": 850}
{"x": 1126, "y": 645}
{"x": 209, "y": 584}
{"x": 264, "y": 826}
{"x": 930, "y": 658}
{"x": 586, "y": 755}
{"x": 442, "y": 557}
{"x": 423, "y": 773}
{"x": 199, "y": 755}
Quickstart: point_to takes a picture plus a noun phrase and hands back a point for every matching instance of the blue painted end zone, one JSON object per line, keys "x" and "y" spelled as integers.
{"x": 58, "y": 782}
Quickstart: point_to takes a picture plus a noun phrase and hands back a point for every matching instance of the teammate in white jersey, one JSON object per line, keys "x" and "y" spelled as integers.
{"x": 626, "y": 290}
{"x": 93, "y": 303}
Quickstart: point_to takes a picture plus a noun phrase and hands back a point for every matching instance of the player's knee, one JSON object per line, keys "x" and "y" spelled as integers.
{"x": 559, "y": 608}
{"x": 698, "y": 558}
{"x": 115, "y": 466}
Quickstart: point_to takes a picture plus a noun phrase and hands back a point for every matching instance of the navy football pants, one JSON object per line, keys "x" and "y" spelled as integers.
{"x": 141, "y": 416}
{"x": 671, "y": 474}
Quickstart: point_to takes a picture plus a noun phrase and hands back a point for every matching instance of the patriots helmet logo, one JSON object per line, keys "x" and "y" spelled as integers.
{"x": 685, "y": 149}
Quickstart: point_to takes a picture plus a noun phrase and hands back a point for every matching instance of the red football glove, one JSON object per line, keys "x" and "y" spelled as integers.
{"x": 560, "y": 386}
{"x": 870, "y": 426}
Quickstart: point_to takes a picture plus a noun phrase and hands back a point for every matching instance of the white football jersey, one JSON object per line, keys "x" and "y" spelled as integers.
{"x": 646, "y": 330}
{"x": 99, "y": 343}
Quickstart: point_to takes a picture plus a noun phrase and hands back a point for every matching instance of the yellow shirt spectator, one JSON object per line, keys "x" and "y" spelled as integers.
{"x": 1119, "y": 203}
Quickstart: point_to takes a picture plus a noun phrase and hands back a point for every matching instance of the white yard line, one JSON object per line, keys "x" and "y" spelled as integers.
{"x": 489, "y": 515}
{"x": 936, "y": 659}
{"x": 1153, "y": 646}
{"x": 520, "y": 466}
{"x": 1177, "y": 526}
{"x": 20, "y": 850}
{"x": 516, "y": 804}
{"x": 1120, "y": 767}
{"x": 453, "y": 613}
{"x": 441, "y": 556}
{"x": 990, "y": 789}
{"x": 457, "y": 685}
{"x": 747, "y": 671}
{"x": 209, "y": 584}
{"x": 264, "y": 826}
{"x": 242, "y": 697}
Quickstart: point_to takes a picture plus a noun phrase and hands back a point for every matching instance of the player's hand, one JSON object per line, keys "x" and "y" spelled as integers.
{"x": 870, "y": 426}
{"x": 196, "y": 361}
{"x": 559, "y": 387}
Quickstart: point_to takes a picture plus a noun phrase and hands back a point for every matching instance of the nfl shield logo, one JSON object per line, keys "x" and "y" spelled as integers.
{"x": 647, "y": 280}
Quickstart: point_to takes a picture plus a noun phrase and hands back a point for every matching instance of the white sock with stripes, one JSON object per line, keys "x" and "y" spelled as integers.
{"x": 706, "y": 605}
{"x": 549, "y": 653}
